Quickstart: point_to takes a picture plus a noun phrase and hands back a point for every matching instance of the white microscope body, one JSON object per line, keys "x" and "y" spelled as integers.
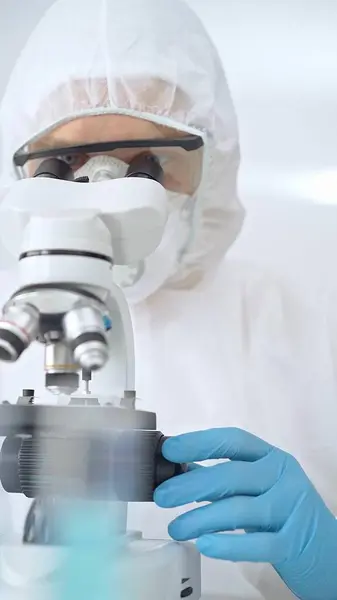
{"x": 68, "y": 237}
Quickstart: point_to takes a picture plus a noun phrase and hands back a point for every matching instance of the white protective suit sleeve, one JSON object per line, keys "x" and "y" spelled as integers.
{"x": 145, "y": 58}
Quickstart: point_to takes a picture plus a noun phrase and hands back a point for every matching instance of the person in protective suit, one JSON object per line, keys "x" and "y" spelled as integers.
{"x": 227, "y": 354}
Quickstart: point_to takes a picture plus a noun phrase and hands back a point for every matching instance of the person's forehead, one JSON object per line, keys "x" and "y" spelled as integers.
{"x": 104, "y": 128}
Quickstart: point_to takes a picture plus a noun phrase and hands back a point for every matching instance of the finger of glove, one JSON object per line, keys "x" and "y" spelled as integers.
{"x": 239, "y": 512}
{"x": 220, "y": 481}
{"x": 249, "y": 547}
{"x": 235, "y": 444}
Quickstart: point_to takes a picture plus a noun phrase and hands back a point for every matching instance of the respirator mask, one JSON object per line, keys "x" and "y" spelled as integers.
{"x": 142, "y": 279}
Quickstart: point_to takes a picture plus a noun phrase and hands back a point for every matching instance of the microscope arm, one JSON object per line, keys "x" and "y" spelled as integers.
{"x": 117, "y": 378}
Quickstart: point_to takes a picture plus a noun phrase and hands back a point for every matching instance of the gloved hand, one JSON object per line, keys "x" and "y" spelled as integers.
{"x": 263, "y": 491}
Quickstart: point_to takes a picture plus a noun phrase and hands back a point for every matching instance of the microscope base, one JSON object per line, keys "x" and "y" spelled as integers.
{"x": 147, "y": 570}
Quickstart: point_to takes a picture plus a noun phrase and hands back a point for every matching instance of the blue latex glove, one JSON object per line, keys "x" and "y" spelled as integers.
{"x": 263, "y": 491}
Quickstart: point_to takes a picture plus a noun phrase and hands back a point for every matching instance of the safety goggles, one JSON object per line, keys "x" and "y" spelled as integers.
{"x": 181, "y": 158}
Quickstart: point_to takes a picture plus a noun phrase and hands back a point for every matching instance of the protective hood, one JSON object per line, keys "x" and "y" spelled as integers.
{"x": 146, "y": 58}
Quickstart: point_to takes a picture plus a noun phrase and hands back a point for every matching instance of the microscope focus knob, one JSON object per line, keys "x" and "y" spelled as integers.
{"x": 141, "y": 466}
{"x": 127, "y": 466}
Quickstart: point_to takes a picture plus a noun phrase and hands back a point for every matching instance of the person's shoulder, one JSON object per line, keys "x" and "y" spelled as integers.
{"x": 269, "y": 292}
{"x": 253, "y": 280}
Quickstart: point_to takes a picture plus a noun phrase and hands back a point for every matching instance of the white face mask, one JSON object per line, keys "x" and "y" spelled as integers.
{"x": 102, "y": 168}
{"x": 141, "y": 280}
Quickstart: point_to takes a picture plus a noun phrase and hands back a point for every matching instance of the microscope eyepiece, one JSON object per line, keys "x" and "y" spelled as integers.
{"x": 55, "y": 168}
{"x": 147, "y": 166}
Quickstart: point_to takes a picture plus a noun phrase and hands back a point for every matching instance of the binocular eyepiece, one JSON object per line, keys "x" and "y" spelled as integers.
{"x": 145, "y": 165}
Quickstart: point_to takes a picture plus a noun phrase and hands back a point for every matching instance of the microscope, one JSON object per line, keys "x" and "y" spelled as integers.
{"x": 68, "y": 234}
